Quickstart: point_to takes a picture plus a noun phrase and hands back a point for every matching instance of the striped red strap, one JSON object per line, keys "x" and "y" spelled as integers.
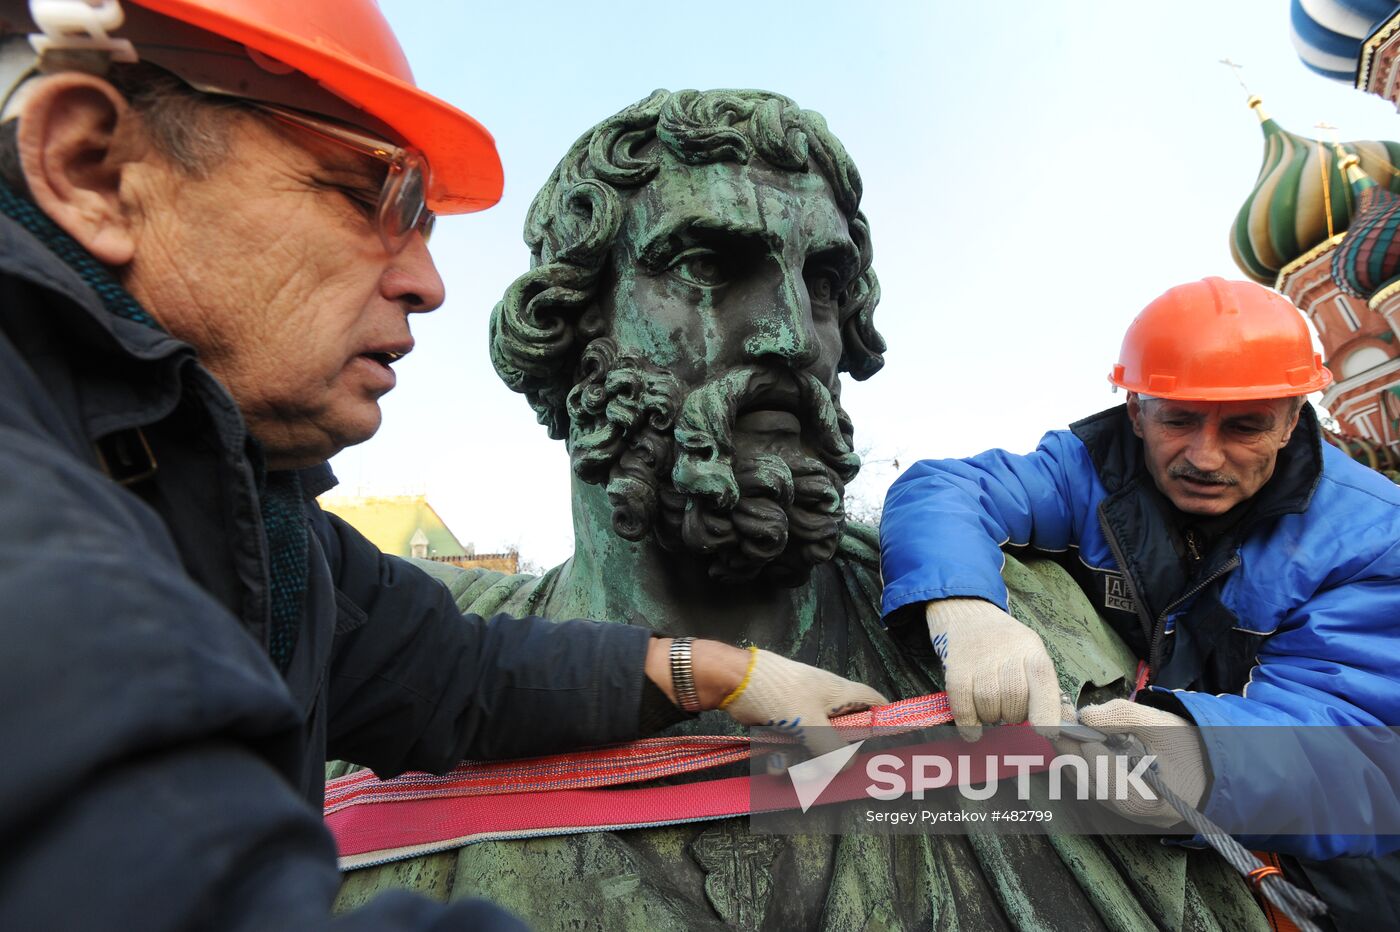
{"x": 375, "y": 821}
{"x": 634, "y": 762}
{"x": 392, "y": 830}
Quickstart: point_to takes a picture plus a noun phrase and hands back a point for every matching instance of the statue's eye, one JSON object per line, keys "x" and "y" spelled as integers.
{"x": 701, "y": 267}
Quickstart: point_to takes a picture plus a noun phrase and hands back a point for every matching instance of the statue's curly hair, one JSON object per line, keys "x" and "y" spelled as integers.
{"x": 543, "y": 322}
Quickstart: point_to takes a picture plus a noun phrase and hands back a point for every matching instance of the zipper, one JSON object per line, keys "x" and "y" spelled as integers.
{"x": 1155, "y": 631}
{"x": 1159, "y": 629}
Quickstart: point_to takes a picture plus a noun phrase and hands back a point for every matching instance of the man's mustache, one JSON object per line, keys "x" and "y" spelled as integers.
{"x": 1187, "y": 471}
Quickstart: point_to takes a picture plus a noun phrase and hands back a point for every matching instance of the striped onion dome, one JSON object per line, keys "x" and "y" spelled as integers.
{"x": 1328, "y": 33}
{"x": 1286, "y": 213}
{"x": 1368, "y": 258}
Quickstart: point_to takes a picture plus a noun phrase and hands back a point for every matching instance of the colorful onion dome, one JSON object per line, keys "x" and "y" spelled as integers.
{"x": 1368, "y": 258}
{"x": 1299, "y": 185}
{"x": 1328, "y": 33}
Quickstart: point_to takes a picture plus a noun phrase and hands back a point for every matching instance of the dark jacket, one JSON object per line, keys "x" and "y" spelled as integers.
{"x": 159, "y": 772}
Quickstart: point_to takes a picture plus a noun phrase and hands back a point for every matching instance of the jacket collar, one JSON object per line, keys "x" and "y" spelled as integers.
{"x": 88, "y": 330}
{"x": 130, "y": 371}
{"x": 23, "y": 256}
{"x": 1117, "y": 455}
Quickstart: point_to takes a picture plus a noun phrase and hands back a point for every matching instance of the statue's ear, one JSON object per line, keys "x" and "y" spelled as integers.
{"x": 592, "y": 323}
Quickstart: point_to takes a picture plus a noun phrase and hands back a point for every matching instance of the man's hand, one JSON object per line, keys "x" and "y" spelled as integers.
{"x": 796, "y": 698}
{"x": 995, "y": 668}
{"x": 757, "y": 687}
{"x": 1171, "y": 738}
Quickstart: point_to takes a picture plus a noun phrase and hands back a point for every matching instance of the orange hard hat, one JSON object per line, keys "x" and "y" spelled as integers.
{"x": 1218, "y": 340}
{"x": 335, "y": 57}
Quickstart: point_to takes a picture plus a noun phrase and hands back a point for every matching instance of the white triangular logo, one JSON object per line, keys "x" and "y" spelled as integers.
{"x": 811, "y": 778}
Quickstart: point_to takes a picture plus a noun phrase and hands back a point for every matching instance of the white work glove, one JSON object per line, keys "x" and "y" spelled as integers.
{"x": 995, "y": 668}
{"x": 1175, "y": 742}
{"x": 796, "y": 698}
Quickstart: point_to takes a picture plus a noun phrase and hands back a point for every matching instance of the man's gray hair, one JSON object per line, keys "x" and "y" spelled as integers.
{"x": 180, "y": 121}
{"x": 1297, "y": 401}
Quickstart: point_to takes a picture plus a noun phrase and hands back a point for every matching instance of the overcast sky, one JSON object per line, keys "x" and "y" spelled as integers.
{"x": 1035, "y": 172}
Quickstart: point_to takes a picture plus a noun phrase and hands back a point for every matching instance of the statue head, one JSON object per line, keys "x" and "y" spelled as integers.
{"x": 700, "y": 276}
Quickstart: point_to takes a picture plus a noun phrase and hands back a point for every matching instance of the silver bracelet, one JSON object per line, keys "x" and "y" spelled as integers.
{"x": 683, "y": 675}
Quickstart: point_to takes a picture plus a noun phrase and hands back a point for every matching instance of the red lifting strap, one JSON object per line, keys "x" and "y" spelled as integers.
{"x": 633, "y": 762}
{"x": 375, "y": 821}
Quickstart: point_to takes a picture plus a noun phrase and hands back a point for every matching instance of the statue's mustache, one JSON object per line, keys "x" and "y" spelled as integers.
{"x": 704, "y": 430}
{"x": 674, "y": 463}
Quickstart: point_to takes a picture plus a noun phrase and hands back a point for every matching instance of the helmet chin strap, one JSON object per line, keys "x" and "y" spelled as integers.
{"x": 18, "y": 64}
{"x": 74, "y": 35}
{"x": 79, "y": 26}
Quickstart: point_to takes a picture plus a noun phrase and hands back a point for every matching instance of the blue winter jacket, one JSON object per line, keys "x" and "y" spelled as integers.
{"x": 1294, "y": 619}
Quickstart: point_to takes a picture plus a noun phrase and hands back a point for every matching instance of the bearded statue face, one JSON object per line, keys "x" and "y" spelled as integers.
{"x": 708, "y": 394}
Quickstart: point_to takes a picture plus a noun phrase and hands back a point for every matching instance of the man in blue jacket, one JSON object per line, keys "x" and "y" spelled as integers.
{"x": 203, "y": 293}
{"x": 1254, "y": 568}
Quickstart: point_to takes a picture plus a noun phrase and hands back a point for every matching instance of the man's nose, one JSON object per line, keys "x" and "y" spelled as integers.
{"x": 412, "y": 280}
{"x": 782, "y": 327}
{"x": 1206, "y": 452}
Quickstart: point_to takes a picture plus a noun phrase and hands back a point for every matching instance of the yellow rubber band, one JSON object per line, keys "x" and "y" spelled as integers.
{"x": 744, "y": 683}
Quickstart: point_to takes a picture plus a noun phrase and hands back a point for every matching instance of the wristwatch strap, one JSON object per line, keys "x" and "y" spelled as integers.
{"x": 683, "y": 675}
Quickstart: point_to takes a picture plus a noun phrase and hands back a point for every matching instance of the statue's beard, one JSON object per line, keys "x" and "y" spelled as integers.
{"x": 674, "y": 470}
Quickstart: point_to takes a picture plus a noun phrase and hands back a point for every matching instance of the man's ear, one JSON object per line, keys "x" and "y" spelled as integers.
{"x": 1135, "y": 412}
{"x": 1292, "y": 426}
{"x": 68, "y": 149}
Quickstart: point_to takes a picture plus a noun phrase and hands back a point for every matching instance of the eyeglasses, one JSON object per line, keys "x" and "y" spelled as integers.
{"x": 402, "y": 206}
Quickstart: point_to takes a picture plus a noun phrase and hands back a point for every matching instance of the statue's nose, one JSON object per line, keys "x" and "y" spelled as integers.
{"x": 782, "y": 328}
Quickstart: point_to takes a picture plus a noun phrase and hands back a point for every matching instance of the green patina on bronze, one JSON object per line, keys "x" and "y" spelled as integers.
{"x": 700, "y": 278}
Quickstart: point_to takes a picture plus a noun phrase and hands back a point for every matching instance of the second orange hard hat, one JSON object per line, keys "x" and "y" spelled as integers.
{"x": 1218, "y": 340}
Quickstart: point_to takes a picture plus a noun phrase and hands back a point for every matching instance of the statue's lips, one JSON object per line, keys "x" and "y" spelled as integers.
{"x": 768, "y": 421}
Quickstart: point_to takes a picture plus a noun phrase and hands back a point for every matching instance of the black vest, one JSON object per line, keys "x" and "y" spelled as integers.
{"x": 1205, "y": 650}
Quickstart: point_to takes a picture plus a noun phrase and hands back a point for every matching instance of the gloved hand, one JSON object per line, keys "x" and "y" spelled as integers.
{"x": 995, "y": 668}
{"x": 1173, "y": 739}
{"x": 797, "y": 698}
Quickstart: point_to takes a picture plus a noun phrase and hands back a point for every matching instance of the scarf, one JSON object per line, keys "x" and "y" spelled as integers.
{"x": 279, "y": 493}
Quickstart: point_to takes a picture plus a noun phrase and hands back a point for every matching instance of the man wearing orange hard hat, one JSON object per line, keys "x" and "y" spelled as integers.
{"x": 213, "y": 234}
{"x": 1253, "y": 568}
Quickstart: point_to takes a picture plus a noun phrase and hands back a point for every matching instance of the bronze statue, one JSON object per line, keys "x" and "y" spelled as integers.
{"x": 700, "y": 275}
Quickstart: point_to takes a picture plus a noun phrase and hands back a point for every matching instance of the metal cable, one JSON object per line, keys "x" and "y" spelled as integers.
{"x": 1297, "y": 904}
